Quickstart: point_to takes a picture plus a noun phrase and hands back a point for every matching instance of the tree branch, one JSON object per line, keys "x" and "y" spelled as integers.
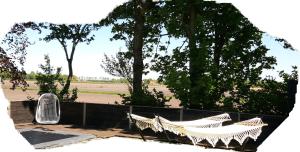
{"x": 73, "y": 50}
{"x": 83, "y": 28}
{"x": 182, "y": 44}
{"x": 62, "y": 42}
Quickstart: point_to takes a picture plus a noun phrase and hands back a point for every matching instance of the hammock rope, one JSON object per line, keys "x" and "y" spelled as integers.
{"x": 144, "y": 123}
{"x": 239, "y": 131}
{"x": 209, "y": 128}
{"x": 177, "y": 127}
{"x": 158, "y": 123}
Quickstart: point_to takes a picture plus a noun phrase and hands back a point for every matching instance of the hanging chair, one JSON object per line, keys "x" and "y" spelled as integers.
{"x": 48, "y": 109}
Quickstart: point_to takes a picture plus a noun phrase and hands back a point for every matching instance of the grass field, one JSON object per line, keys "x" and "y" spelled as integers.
{"x": 90, "y": 92}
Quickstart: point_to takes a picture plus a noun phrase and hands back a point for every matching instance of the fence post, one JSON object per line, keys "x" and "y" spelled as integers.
{"x": 129, "y": 122}
{"x": 292, "y": 90}
{"x": 84, "y": 115}
{"x": 181, "y": 114}
{"x": 238, "y": 116}
{"x": 8, "y": 108}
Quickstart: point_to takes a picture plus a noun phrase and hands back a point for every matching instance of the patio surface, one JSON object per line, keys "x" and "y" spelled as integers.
{"x": 97, "y": 132}
{"x": 49, "y": 136}
{"x": 114, "y": 144}
{"x": 41, "y": 138}
{"x": 77, "y": 134}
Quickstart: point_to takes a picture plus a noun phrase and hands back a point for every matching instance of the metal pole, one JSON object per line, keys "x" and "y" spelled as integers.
{"x": 181, "y": 114}
{"x": 162, "y": 127}
{"x": 129, "y": 120}
{"x": 8, "y": 107}
{"x": 84, "y": 115}
{"x": 140, "y": 131}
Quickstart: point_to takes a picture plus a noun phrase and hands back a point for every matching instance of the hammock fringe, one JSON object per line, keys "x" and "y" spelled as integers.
{"x": 209, "y": 128}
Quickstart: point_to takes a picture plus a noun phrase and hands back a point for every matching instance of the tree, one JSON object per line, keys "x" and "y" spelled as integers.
{"x": 224, "y": 54}
{"x": 13, "y": 53}
{"x": 121, "y": 66}
{"x": 49, "y": 79}
{"x": 74, "y": 34}
{"x": 139, "y": 18}
{"x": 285, "y": 44}
{"x": 136, "y": 23}
{"x": 271, "y": 96}
{"x": 31, "y": 75}
{"x": 184, "y": 20}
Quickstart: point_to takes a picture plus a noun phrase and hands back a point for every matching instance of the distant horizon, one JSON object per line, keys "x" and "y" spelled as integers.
{"x": 87, "y": 58}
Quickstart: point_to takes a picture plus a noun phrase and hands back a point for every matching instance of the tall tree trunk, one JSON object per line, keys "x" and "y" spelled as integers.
{"x": 192, "y": 45}
{"x": 219, "y": 43}
{"x": 199, "y": 95}
{"x": 194, "y": 52}
{"x": 66, "y": 87}
{"x": 138, "y": 65}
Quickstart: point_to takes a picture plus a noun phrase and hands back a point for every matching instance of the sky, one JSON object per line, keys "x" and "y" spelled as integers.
{"x": 286, "y": 58}
{"x": 87, "y": 58}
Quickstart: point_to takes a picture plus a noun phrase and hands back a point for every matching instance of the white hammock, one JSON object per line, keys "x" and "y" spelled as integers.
{"x": 240, "y": 131}
{"x": 160, "y": 123}
{"x": 177, "y": 126}
{"x": 143, "y": 122}
{"x": 48, "y": 109}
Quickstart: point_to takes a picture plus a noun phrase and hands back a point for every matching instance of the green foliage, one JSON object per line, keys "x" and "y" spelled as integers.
{"x": 4, "y": 75}
{"x": 120, "y": 80}
{"x": 69, "y": 34}
{"x": 285, "y": 44}
{"x": 218, "y": 63}
{"x": 121, "y": 66}
{"x": 74, "y": 95}
{"x": 50, "y": 79}
{"x": 13, "y": 54}
{"x": 31, "y": 76}
{"x": 174, "y": 73}
{"x": 148, "y": 98}
{"x": 271, "y": 97}
{"x": 79, "y": 33}
{"x": 138, "y": 24}
{"x": 224, "y": 54}
{"x": 74, "y": 78}
{"x": 122, "y": 21}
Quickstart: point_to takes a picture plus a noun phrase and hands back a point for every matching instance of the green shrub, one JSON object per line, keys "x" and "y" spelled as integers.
{"x": 148, "y": 98}
{"x": 49, "y": 80}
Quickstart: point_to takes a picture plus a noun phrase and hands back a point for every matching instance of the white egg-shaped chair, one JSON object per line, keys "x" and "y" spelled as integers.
{"x": 48, "y": 109}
